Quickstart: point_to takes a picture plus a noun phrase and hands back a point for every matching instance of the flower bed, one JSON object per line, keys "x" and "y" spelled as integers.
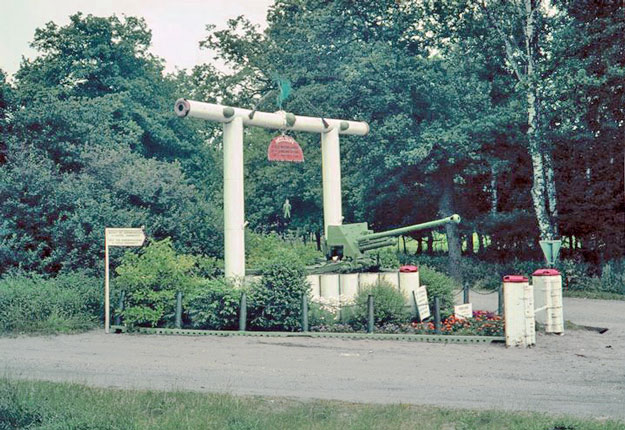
{"x": 483, "y": 323}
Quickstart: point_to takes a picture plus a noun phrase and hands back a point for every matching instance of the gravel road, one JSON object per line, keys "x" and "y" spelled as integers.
{"x": 581, "y": 373}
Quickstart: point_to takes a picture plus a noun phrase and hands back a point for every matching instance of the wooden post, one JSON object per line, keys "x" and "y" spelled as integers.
{"x": 370, "y": 313}
{"x": 437, "y": 315}
{"x": 107, "y": 303}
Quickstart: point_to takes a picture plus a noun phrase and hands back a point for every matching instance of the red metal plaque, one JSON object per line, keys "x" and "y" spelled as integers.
{"x": 285, "y": 148}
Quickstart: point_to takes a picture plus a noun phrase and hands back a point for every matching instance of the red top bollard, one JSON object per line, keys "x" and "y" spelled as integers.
{"x": 546, "y": 272}
{"x": 515, "y": 278}
{"x": 408, "y": 269}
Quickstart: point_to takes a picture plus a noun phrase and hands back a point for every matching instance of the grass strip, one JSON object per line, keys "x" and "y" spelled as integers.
{"x": 47, "y": 405}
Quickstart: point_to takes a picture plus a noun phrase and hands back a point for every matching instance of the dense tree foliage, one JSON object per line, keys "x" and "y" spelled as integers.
{"x": 509, "y": 113}
{"x": 90, "y": 142}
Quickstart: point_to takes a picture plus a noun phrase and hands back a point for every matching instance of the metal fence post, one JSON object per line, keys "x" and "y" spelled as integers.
{"x": 370, "y": 313}
{"x": 466, "y": 293}
{"x": 243, "y": 312}
{"x": 500, "y": 300}
{"x": 437, "y": 315}
{"x": 179, "y": 309}
{"x": 118, "y": 317}
{"x": 304, "y": 313}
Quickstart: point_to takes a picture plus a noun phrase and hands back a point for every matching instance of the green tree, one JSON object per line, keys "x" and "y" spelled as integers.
{"x": 94, "y": 143}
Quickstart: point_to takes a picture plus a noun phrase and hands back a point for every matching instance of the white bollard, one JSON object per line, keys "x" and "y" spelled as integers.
{"x": 548, "y": 299}
{"x": 519, "y": 322}
{"x": 408, "y": 283}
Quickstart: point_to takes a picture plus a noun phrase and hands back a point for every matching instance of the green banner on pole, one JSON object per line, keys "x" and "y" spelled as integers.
{"x": 551, "y": 249}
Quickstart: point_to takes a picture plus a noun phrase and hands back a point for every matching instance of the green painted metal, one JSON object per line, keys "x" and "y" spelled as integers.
{"x": 243, "y": 312}
{"x": 551, "y": 249}
{"x": 370, "y": 320}
{"x": 228, "y": 111}
{"x": 118, "y": 328}
{"x": 430, "y": 224}
{"x": 304, "y": 312}
{"x": 178, "y": 322}
{"x": 284, "y": 90}
{"x": 373, "y": 336}
{"x": 353, "y": 240}
{"x": 290, "y": 119}
{"x": 120, "y": 307}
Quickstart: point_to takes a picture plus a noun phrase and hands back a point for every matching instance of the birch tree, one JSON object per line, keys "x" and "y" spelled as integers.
{"x": 522, "y": 56}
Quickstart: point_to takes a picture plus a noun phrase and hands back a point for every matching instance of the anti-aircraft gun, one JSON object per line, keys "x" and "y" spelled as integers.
{"x": 346, "y": 245}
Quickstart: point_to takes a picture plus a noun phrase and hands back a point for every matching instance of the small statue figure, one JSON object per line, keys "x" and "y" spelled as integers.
{"x": 286, "y": 209}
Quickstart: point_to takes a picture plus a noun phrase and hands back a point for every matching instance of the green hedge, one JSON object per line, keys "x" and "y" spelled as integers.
{"x": 389, "y": 306}
{"x": 66, "y": 303}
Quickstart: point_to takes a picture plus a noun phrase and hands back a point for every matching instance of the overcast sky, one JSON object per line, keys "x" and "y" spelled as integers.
{"x": 177, "y": 25}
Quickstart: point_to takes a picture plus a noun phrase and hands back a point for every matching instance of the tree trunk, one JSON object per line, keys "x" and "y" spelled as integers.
{"x": 318, "y": 240}
{"x": 543, "y": 186}
{"x": 480, "y": 244}
{"x": 539, "y": 185}
{"x": 551, "y": 191}
{"x": 430, "y": 243}
{"x": 454, "y": 247}
{"x": 419, "y": 245}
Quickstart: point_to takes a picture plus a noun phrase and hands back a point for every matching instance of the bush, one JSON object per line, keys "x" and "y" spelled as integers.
{"x": 275, "y": 301}
{"x": 214, "y": 306}
{"x": 151, "y": 280}
{"x": 389, "y": 306}
{"x": 263, "y": 249}
{"x": 389, "y": 258}
{"x": 438, "y": 285}
{"x": 32, "y": 303}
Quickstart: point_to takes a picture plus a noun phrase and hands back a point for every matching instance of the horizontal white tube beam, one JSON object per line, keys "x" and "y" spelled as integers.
{"x": 277, "y": 120}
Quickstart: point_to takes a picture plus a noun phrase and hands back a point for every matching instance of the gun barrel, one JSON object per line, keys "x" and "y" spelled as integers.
{"x": 399, "y": 231}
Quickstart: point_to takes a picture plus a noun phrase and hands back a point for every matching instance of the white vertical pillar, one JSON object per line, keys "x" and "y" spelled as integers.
{"x": 234, "y": 207}
{"x": 331, "y": 175}
{"x": 518, "y": 296}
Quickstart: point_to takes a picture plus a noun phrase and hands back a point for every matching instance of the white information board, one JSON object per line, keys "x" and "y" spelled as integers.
{"x": 464, "y": 311}
{"x": 421, "y": 298}
{"x": 124, "y": 236}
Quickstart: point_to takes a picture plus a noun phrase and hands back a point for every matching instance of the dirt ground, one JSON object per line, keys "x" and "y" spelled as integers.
{"x": 581, "y": 373}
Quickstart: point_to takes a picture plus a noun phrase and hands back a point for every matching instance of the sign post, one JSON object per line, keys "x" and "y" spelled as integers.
{"x": 551, "y": 249}
{"x": 116, "y": 237}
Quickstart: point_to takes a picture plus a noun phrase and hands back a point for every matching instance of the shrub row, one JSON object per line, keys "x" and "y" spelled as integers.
{"x": 577, "y": 276}
{"x": 34, "y": 304}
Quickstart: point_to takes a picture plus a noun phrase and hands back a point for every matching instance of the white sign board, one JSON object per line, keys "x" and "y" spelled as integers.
{"x": 124, "y": 236}
{"x": 116, "y": 237}
{"x": 421, "y": 298}
{"x": 464, "y": 311}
